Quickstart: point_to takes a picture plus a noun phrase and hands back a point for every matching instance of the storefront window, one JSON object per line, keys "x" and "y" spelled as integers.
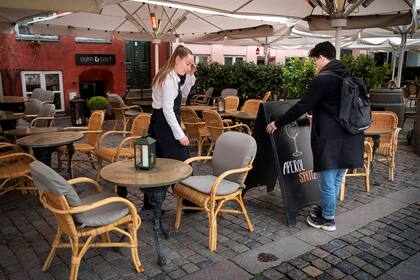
{"x": 48, "y": 80}
{"x": 201, "y": 59}
{"x": 230, "y": 60}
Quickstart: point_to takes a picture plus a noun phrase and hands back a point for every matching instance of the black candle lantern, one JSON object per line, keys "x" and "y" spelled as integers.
{"x": 220, "y": 104}
{"x": 145, "y": 153}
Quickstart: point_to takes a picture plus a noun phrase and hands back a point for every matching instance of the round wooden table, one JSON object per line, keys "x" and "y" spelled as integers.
{"x": 22, "y": 132}
{"x": 13, "y": 103}
{"x": 200, "y": 107}
{"x": 154, "y": 183}
{"x": 8, "y": 119}
{"x": 238, "y": 115}
{"x": 44, "y": 144}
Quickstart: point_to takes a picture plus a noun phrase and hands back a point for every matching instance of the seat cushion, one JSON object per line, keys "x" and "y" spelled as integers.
{"x": 204, "y": 183}
{"x": 47, "y": 179}
{"x": 131, "y": 113}
{"x": 104, "y": 215}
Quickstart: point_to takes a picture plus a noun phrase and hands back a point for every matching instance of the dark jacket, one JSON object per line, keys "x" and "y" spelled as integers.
{"x": 332, "y": 146}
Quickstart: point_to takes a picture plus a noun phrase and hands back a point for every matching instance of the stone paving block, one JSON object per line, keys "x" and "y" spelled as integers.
{"x": 335, "y": 273}
{"x": 296, "y": 274}
{"x": 332, "y": 259}
{"x": 372, "y": 270}
{"x": 347, "y": 267}
{"x": 356, "y": 261}
{"x": 190, "y": 268}
{"x": 273, "y": 274}
{"x": 321, "y": 264}
{"x": 284, "y": 267}
{"x": 312, "y": 271}
{"x": 218, "y": 271}
{"x": 362, "y": 275}
{"x": 319, "y": 253}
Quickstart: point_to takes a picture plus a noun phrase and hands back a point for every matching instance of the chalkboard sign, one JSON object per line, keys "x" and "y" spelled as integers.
{"x": 285, "y": 155}
{"x": 95, "y": 59}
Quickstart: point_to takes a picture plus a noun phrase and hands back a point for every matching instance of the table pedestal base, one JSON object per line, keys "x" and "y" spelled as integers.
{"x": 376, "y": 142}
{"x": 157, "y": 197}
{"x": 44, "y": 155}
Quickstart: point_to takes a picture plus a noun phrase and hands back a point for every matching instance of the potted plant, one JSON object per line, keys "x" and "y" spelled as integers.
{"x": 98, "y": 103}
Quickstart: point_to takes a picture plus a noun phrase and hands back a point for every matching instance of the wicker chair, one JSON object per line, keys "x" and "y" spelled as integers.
{"x": 232, "y": 159}
{"x": 231, "y": 103}
{"x": 82, "y": 220}
{"x": 388, "y": 143}
{"x": 32, "y": 108}
{"x": 45, "y": 96}
{"x": 123, "y": 114}
{"x": 229, "y": 92}
{"x": 92, "y": 132}
{"x": 364, "y": 172}
{"x": 267, "y": 96}
{"x": 195, "y": 128}
{"x": 217, "y": 127}
{"x": 251, "y": 106}
{"x": 412, "y": 96}
{"x": 202, "y": 99}
{"x": 45, "y": 117}
{"x": 14, "y": 169}
{"x": 139, "y": 127}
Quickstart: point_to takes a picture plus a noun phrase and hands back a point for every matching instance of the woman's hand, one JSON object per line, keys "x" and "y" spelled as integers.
{"x": 271, "y": 127}
{"x": 184, "y": 141}
{"x": 192, "y": 69}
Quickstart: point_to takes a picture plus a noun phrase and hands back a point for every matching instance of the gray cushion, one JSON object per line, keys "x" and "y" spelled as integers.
{"x": 115, "y": 98}
{"x": 204, "y": 183}
{"x": 46, "y": 179}
{"x": 104, "y": 215}
{"x": 43, "y": 95}
{"x": 229, "y": 92}
{"x": 233, "y": 150}
{"x": 47, "y": 110}
{"x": 33, "y": 106}
{"x": 131, "y": 113}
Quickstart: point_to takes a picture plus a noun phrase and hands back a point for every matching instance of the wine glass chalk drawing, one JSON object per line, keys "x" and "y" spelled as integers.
{"x": 292, "y": 130}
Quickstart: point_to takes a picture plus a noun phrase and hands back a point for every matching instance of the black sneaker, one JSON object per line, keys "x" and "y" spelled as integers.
{"x": 315, "y": 211}
{"x": 321, "y": 223}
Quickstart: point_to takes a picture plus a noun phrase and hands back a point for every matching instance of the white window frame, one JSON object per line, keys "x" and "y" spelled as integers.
{"x": 197, "y": 57}
{"x": 234, "y": 57}
{"x": 43, "y": 84}
{"x": 92, "y": 40}
{"x": 34, "y": 36}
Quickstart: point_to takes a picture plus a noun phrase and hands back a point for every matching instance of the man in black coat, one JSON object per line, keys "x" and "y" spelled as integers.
{"x": 333, "y": 148}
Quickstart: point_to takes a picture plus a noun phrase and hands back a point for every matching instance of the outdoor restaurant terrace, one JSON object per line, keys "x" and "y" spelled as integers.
{"x": 84, "y": 195}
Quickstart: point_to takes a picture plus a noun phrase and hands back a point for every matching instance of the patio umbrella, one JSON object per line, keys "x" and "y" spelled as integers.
{"x": 320, "y": 14}
{"x": 133, "y": 20}
{"x": 9, "y": 17}
{"x": 93, "y": 6}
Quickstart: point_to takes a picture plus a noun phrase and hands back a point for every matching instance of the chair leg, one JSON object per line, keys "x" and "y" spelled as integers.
{"x": 343, "y": 187}
{"x": 59, "y": 159}
{"x": 178, "y": 212}
{"x": 77, "y": 255}
{"x": 134, "y": 249}
{"x": 248, "y": 220}
{"x": 212, "y": 230}
{"x": 98, "y": 169}
{"x": 54, "y": 246}
{"x": 210, "y": 148}
{"x": 92, "y": 162}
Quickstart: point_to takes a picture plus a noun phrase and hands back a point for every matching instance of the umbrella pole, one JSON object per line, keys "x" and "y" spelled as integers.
{"x": 156, "y": 43}
{"x": 401, "y": 59}
{"x": 394, "y": 61}
{"x": 338, "y": 31}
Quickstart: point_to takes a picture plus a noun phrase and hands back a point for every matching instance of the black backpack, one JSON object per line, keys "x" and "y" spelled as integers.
{"x": 355, "y": 114}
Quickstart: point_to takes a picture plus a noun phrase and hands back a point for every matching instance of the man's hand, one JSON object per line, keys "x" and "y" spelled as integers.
{"x": 271, "y": 127}
{"x": 184, "y": 141}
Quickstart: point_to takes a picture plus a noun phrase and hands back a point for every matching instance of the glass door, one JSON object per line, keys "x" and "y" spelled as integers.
{"x": 47, "y": 80}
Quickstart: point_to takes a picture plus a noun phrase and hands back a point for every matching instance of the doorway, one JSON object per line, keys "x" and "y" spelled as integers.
{"x": 89, "y": 89}
{"x": 137, "y": 65}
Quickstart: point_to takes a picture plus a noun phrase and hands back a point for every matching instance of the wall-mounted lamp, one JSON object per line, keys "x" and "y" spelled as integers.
{"x": 257, "y": 51}
{"x": 155, "y": 22}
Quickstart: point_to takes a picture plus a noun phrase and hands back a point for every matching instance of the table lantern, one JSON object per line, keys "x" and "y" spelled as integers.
{"x": 145, "y": 153}
{"x": 220, "y": 104}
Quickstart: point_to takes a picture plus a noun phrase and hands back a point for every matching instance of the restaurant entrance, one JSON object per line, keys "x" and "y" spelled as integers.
{"x": 137, "y": 64}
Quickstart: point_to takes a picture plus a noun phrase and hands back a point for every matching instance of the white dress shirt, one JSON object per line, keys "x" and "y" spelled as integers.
{"x": 164, "y": 97}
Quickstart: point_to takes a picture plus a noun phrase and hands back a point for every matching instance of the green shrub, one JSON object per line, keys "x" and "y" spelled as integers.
{"x": 374, "y": 76}
{"x": 98, "y": 103}
{"x": 296, "y": 75}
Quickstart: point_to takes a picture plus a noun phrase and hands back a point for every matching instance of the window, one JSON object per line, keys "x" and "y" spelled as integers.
{"x": 92, "y": 40}
{"x": 230, "y": 60}
{"x": 23, "y": 32}
{"x": 48, "y": 80}
{"x": 201, "y": 59}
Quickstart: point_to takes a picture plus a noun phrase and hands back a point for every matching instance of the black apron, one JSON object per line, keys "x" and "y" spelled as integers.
{"x": 166, "y": 144}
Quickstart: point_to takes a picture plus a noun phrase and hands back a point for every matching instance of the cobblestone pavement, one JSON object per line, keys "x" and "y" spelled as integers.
{"x": 27, "y": 229}
{"x": 367, "y": 253}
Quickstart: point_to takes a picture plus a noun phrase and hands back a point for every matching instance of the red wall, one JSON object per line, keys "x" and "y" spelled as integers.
{"x": 60, "y": 56}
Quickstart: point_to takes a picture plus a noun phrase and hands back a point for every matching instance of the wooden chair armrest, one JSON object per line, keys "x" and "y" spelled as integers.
{"x": 76, "y": 128}
{"x": 239, "y": 125}
{"x": 131, "y": 107}
{"x": 108, "y": 133}
{"x": 30, "y": 116}
{"x": 33, "y": 122}
{"x": 18, "y": 154}
{"x": 87, "y": 207}
{"x": 197, "y": 96}
{"x": 225, "y": 174}
{"x": 122, "y": 143}
{"x": 192, "y": 159}
{"x": 8, "y": 145}
{"x": 90, "y": 181}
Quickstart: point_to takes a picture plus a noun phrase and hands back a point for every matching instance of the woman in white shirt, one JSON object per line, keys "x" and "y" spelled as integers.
{"x": 168, "y": 91}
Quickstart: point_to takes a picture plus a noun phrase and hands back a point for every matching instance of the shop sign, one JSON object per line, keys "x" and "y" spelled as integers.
{"x": 95, "y": 59}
